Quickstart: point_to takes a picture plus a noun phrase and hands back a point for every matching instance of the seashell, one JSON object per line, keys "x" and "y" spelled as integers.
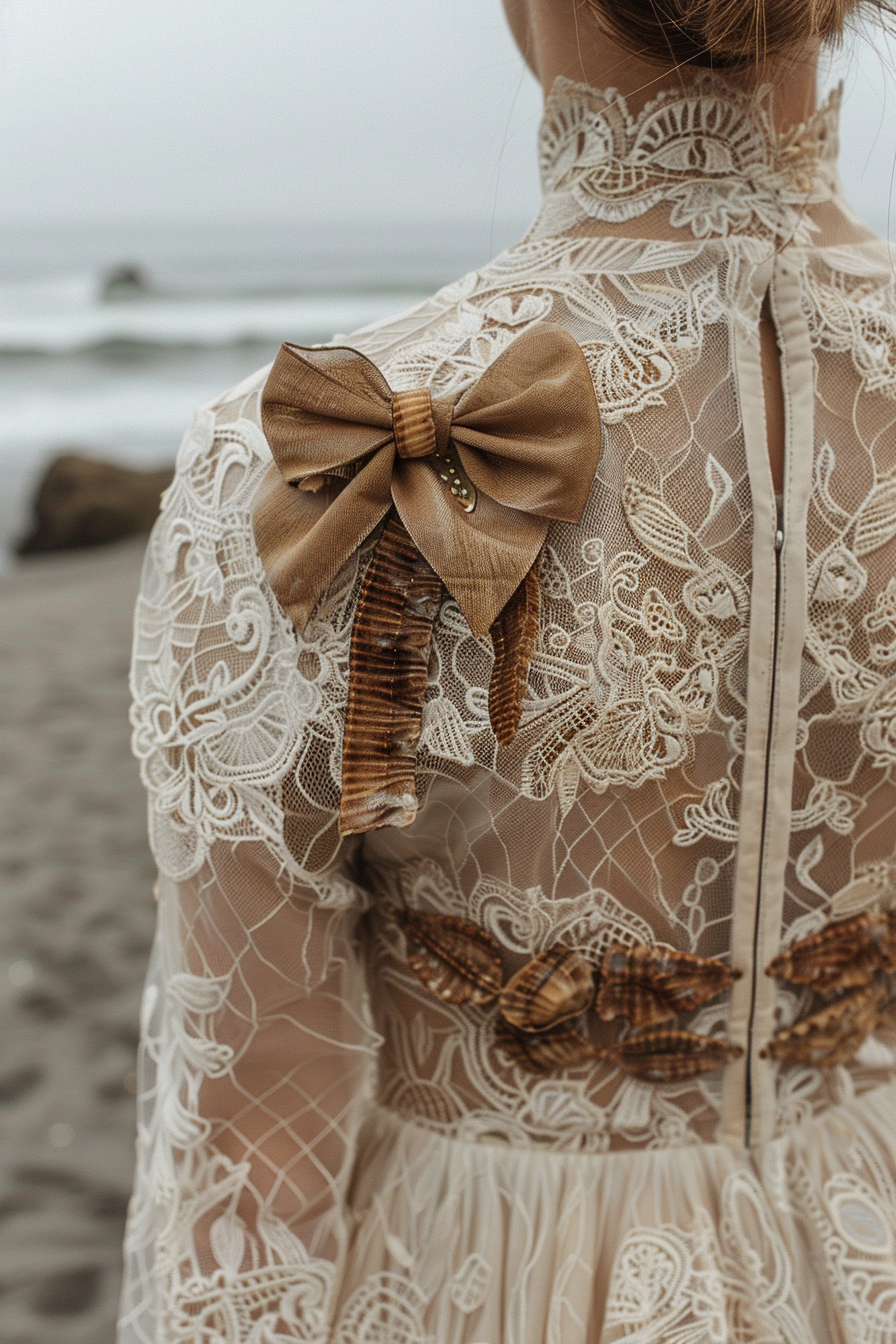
{"x": 388, "y": 666}
{"x": 889, "y": 948}
{"x": 842, "y": 955}
{"x": 831, "y": 1036}
{"x": 556, "y": 985}
{"x": 540, "y": 1052}
{"x": 513, "y": 635}
{"x": 667, "y": 1056}
{"x": 649, "y": 985}
{"x": 456, "y": 961}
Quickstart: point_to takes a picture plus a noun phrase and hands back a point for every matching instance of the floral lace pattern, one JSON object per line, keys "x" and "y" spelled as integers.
{"x": 695, "y": 151}
{"x": 327, "y": 1150}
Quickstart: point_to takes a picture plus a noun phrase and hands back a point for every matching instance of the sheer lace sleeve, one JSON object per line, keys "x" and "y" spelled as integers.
{"x": 256, "y": 1044}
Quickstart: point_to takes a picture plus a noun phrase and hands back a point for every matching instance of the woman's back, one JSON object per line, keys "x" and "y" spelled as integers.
{"x": 425, "y": 1080}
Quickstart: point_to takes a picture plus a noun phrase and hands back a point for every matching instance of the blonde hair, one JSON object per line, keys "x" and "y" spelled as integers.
{"x": 727, "y": 32}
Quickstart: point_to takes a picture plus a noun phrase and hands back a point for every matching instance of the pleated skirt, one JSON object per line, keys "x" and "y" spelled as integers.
{"x": 457, "y": 1242}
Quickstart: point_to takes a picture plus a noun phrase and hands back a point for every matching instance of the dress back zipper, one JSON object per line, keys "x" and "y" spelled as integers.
{"x": 756, "y": 969}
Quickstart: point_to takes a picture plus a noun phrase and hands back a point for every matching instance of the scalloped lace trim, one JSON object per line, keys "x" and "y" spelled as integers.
{"x": 712, "y": 154}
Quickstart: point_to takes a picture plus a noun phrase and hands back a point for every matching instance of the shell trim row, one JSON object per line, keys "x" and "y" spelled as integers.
{"x": 542, "y": 1009}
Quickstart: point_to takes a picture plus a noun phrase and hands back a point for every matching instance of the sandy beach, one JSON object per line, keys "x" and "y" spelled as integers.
{"x": 76, "y": 922}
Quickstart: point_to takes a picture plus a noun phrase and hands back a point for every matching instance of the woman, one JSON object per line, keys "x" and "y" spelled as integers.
{"x": 516, "y": 695}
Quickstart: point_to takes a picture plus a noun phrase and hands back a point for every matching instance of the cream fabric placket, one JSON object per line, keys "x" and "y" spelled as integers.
{"x": 777, "y": 635}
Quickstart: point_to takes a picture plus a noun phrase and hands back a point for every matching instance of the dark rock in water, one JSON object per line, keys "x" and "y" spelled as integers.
{"x": 85, "y": 502}
{"x": 124, "y": 281}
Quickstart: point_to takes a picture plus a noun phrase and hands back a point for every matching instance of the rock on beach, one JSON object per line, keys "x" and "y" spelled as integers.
{"x": 76, "y": 922}
{"x": 84, "y": 501}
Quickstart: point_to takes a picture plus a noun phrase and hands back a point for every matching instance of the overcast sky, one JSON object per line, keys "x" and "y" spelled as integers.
{"x": 235, "y": 110}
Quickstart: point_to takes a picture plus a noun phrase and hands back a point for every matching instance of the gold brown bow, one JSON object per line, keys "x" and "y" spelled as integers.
{"x": 470, "y": 486}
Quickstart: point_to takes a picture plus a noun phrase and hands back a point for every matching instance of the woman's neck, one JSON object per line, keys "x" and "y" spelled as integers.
{"x": 562, "y": 37}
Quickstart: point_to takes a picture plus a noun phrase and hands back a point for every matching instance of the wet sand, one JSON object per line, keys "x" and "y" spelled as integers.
{"x": 76, "y": 920}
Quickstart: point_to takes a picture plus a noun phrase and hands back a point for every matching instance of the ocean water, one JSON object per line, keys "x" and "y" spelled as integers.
{"x": 110, "y": 338}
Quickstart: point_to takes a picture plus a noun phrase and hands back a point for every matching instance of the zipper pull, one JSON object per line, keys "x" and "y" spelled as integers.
{"x": 779, "y": 530}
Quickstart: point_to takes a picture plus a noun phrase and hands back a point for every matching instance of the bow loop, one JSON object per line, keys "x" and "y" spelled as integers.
{"x": 475, "y": 479}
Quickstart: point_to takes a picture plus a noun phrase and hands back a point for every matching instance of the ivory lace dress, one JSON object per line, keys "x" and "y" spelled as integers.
{"x": 596, "y": 1048}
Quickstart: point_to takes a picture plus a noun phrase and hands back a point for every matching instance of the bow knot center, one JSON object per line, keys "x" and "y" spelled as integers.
{"x": 412, "y": 423}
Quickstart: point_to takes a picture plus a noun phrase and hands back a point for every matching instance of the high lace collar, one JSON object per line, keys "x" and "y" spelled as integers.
{"x": 710, "y": 153}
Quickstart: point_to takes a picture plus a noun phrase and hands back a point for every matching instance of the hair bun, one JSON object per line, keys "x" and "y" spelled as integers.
{"x": 723, "y": 32}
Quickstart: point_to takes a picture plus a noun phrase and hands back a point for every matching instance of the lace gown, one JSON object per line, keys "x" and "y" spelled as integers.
{"x": 706, "y": 762}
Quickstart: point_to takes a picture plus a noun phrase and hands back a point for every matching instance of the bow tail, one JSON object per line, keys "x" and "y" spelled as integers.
{"x": 513, "y": 634}
{"x": 388, "y": 667}
{"x": 388, "y": 664}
